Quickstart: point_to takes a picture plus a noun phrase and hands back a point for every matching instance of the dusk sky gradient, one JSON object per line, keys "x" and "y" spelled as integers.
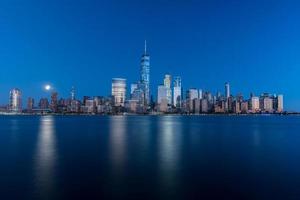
{"x": 254, "y": 45}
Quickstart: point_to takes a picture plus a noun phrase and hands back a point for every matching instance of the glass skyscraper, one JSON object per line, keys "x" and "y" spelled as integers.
{"x": 177, "y": 92}
{"x": 145, "y": 75}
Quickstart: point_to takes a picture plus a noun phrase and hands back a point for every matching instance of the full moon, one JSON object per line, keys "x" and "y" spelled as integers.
{"x": 47, "y": 87}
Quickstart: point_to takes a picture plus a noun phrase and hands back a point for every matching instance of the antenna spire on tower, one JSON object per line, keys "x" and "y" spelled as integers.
{"x": 145, "y": 46}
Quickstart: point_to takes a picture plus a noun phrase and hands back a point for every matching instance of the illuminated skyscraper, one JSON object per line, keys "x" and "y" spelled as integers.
{"x": 30, "y": 104}
{"x": 15, "y": 100}
{"x": 162, "y": 94}
{"x": 177, "y": 92}
{"x": 145, "y": 75}
{"x": 118, "y": 91}
{"x": 44, "y": 103}
{"x": 167, "y": 84}
{"x": 73, "y": 94}
{"x": 254, "y": 104}
{"x": 54, "y": 102}
{"x": 280, "y": 103}
{"x": 133, "y": 87}
{"x": 227, "y": 90}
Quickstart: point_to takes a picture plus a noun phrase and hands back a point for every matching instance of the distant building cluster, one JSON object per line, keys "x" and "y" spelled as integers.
{"x": 138, "y": 99}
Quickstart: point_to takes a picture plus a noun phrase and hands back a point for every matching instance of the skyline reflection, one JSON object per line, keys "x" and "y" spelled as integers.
{"x": 46, "y": 157}
{"x": 117, "y": 141}
{"x": 169, "y": 149}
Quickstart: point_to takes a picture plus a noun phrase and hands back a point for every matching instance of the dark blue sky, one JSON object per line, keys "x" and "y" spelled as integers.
{"x": 254, "y": 45}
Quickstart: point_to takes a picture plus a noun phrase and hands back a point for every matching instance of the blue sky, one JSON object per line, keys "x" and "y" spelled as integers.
{"x": 254, "y": 45}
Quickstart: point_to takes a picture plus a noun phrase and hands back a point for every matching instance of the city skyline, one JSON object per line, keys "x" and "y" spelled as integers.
{"x": 170, "y": 98}
{"x": 52, "y": 43}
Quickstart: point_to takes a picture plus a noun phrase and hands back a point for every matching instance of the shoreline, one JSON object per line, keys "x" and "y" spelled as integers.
{"x": 150, "y": 114}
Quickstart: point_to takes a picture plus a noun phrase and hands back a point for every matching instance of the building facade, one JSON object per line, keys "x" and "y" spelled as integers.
{"x": 15, "y": 100}
{"x": 177, "y": 92}
{"x": 118, "y": 91}
{"x": 167, "y": 84}
{"x": 162, "y": 94}
{"x": 145, "y": 75}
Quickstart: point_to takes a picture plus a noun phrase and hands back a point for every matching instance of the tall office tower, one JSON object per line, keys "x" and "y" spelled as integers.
{"x": 162, "y": 94}
{"x": 200, "y": 94}
{"x": 254, "y": 104}
{"x": 145, "y": 75}
{"x": 280, "y": 103}
{"x": 177, "y": 92}
{"x": 44, "y": 103}
{"x": 30, "y": 104}
{"x": 133, "y": 87}
{"x": 191, "y": 95}
{"x": 118, "y": 91}
{"x": 15, "y": 100}
{"x": 73, "y": 93}
{"x": 167, "y": 84}
{"x": 54, "y": 102}
{"x": 268, "y": 104}
{"x": 227, "y": 90}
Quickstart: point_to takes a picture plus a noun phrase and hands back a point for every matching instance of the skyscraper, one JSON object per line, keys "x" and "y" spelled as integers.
{"x": 191, "y": 95}
{"x": 145, "y": 75}
{"x": 177, "y": 92}
{"x": 54, "y": 102}
{"x": 44, "y": 103}
{"x": 15, "y": 100}
{"x": 280, "y": 103}
{"x": 162, "y": 94}
{"x": 254, "y": 102}
{"x": 73, "y": 93}
{"x": 118, "y": 91}
{"x": 227, "y": 90}
{"x": 30, "y": 104}
{"x": 167, "y": 84}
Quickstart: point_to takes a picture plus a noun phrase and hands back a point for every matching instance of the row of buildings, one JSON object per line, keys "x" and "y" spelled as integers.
{"x": 170, "y": 99}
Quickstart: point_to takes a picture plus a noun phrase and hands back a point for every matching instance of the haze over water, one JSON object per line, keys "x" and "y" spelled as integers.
{"x": 149, "y": 157}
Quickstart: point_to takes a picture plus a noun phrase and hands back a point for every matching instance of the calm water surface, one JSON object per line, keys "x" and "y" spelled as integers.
{"x": 150, "y": 157}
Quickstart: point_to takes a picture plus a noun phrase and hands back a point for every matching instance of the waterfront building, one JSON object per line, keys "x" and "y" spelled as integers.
{"x": 200, "y": 94}
{"x": 236, "y": 106}
{"x": 163, "y": 105}
{"x": 89, "y": 106}
{"x": 85, "y": 98}
{"x": 177, "y": 92}
{"x": 132, "y": 106}
{"x": 118, "y": 91}
{"x": 191, "y": 94}
{"x": 229, "y": 107}
{"x": 15, "y": 100}
{"x": 204, "y": 106}
{"x": 75, "y": 106}
{"x": 73, "y": 93}
{"x": 54, "y": 102}
{"x": 43, "y": 104}
{"x": 219, "y": 96}
{"x": 162, "y": 91}
{"x": 138, "y": 95}
{"x": 145, "y": 75}
{"x": 244, "y": 107}
{"x": 227, "y": 90}
{"x": 167, "y": 84}
{"x": 239, "y": 97}
{"x": 254, "y": 102}
{"x": 30, "y": 104}
{"x": 268, "y": 104}
{"x": 196, "y": 106}
{"x": 133, "y": 87}
{"x": 280, "y": 103}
